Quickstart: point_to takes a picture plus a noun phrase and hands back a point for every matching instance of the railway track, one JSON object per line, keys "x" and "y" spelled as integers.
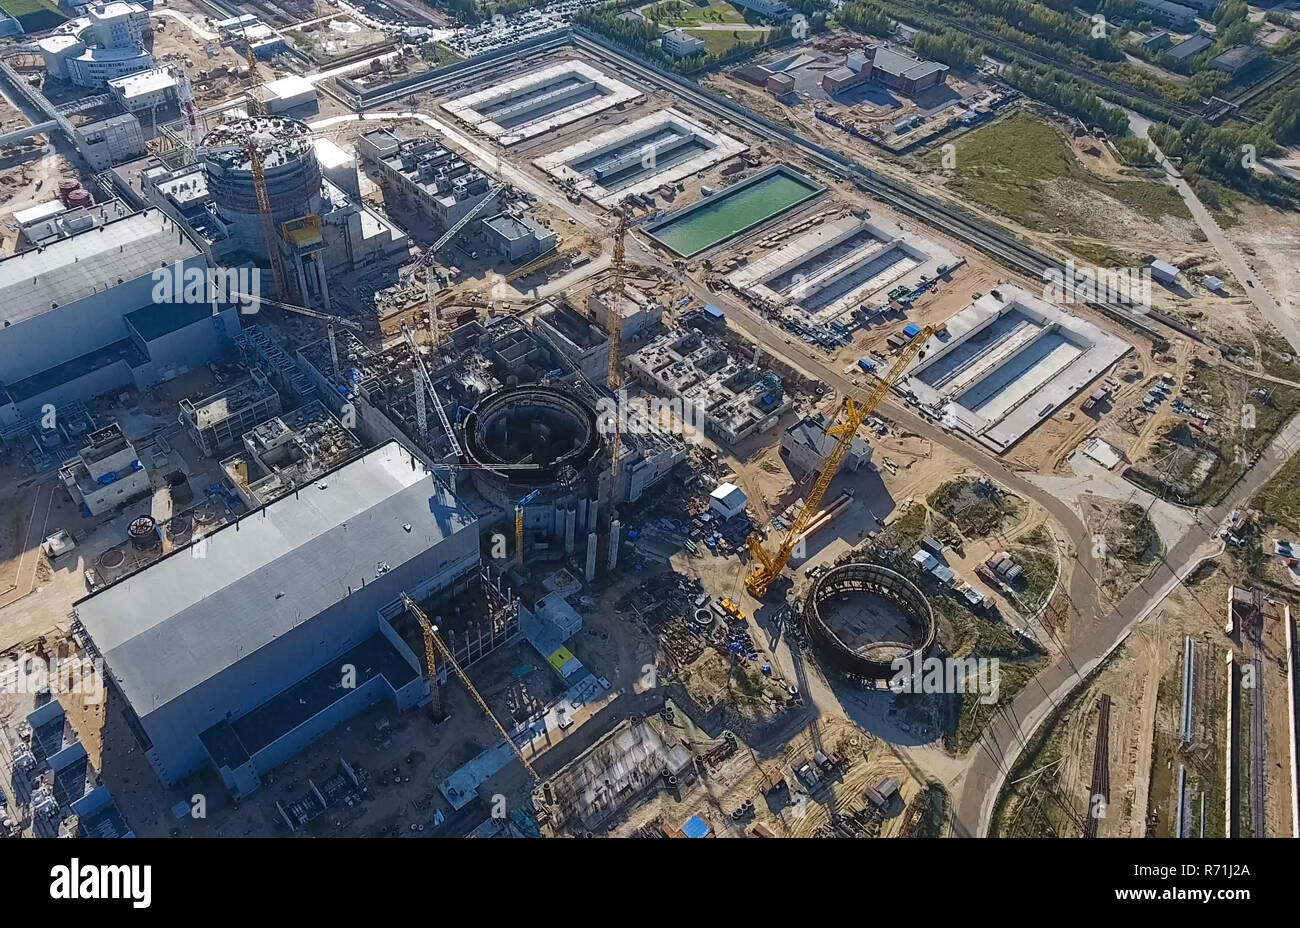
{"x": 988, "y": 239}
{"x": 1257, "y": 765}
{"x": 1180, "y": 110}
{"x": 1100, "y": 770}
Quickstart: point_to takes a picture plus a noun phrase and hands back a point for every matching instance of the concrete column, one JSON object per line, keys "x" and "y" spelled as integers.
{"x": 582, "y": 515}
{"x": 615, "y": 533}
{"x": 593, "y": 513}
{"x": 591, "y": 556}
{"x": 557, "y": 524}
{"x": 570, "y": 519}
{"x": 301, "y": 276}
{"x": 320, "y": 278}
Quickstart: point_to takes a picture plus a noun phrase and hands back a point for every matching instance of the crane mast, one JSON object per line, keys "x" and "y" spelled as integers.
{"x": 433, "y": 643}
{"x": 614, "y": 326}
{"x": 855, "y": 413}
{"x": 256, "y": 107}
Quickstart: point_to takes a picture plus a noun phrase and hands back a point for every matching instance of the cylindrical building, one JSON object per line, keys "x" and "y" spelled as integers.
{"x": 293, "y": 177}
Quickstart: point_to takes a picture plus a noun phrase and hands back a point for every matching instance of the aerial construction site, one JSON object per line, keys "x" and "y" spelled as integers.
{"x": 420, "y": 429}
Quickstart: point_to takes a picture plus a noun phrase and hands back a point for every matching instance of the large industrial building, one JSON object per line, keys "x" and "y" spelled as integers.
{"x": 540, "y": 101}
{"x": 1007, "y": 362}
{"x": 322, "y": 225}
{"x": 487, "y": 376}
{"x": 836, "y": 267}
{"x": 80, "y": 316}
{"x": 737, "y": 398}
{"x": 286, "y": 626}
{"x": 640, "y": 156}
{"x": 424, "y": 174}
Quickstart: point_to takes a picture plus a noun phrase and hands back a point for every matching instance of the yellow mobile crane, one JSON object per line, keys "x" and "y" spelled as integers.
{"x": 433, "y": 643}
{"x": 855, "y": 413}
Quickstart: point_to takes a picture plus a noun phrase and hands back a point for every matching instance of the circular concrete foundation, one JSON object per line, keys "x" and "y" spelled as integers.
{"x": 862, "y": 617}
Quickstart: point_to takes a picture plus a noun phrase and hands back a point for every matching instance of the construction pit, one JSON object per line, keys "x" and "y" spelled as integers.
{"x": 835, "y": 267}
{"x": 640, "y": 156}
{"x": 540, "y": 101}
{"x": 1006, "y": 363}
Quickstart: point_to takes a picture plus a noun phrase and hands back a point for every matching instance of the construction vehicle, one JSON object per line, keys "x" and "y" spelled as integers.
{"x": 433, "y": 644}
{"x": 855, "y": 413}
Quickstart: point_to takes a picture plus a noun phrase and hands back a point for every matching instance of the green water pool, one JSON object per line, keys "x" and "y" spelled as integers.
{"x": 732, "y": 211}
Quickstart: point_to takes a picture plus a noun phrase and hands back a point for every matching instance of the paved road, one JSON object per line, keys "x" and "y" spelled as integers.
{"x": 997, "y": 751}
{"x": 804, "y": 356}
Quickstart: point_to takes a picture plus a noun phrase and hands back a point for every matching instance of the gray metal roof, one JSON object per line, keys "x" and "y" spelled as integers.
{"x": 73, "y": 268}
{"x": 184, "y": 619}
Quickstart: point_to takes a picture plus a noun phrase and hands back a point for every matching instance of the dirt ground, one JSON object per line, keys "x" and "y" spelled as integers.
{"x": 794, "y": 813}
{"x": 1144, "y": 679}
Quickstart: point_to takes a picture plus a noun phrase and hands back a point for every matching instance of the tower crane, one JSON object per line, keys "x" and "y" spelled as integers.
{"x": 433, "y": 644}
{"x": 519, "y": 526}
{"x": 855, "y": 413}
{"x": 193, "y": 123}
{"x": 614, "y": 327}
{"x": 257, "y": 107}
{"x": 425, "y": 261}
{"x": 425, "y": 382}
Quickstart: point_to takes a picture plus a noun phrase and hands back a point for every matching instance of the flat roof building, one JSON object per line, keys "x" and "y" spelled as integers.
{"x": 682, "y": 44}
{"x": 235, "y": 659}
{"x": 80, "y": 316}
{"x": 807, "y": 446}
{"x": 144, "y": 90}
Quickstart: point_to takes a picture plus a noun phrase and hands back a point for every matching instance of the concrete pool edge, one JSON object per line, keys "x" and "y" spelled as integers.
{"x": 816, "y": 189}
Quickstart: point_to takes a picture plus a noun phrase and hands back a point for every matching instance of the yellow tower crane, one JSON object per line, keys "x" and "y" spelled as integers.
{"x": 855, "y": 413}
{"x": 257, "y": 107}
{"x": 614, "y": 327}
{"x": 433, "y": 643}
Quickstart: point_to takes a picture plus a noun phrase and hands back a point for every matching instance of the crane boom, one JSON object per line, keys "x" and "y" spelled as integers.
{"x": 855, "y": 413}
{"x": 433, "y": 393}
{"x": 432, "y": 640}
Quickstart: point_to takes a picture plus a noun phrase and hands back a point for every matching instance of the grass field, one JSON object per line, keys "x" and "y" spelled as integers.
{"x": 1022, "y": 168}
{"x": 721, "y": 41}
{"x": 1280, "y": 497}
{"x": 34, "y": 15}
{"x": 685, "y": 13}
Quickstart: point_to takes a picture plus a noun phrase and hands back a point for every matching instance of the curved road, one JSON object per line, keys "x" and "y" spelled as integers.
{"x": 1015, "y": 724}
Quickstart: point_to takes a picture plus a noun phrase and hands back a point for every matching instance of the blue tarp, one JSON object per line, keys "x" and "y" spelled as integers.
{"x": 911, "y": 330}
{"x": 695, "y": 827}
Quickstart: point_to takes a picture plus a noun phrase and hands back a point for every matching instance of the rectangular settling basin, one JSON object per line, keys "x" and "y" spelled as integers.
{"x": 740, "y": 207}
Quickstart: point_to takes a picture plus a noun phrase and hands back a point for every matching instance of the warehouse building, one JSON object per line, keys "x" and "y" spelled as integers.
{"x": 1189, "y": 47}
{"x": 1169, "y": 14}
{"x": 79, "y": 318}
{"x": 235, "y": 659}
